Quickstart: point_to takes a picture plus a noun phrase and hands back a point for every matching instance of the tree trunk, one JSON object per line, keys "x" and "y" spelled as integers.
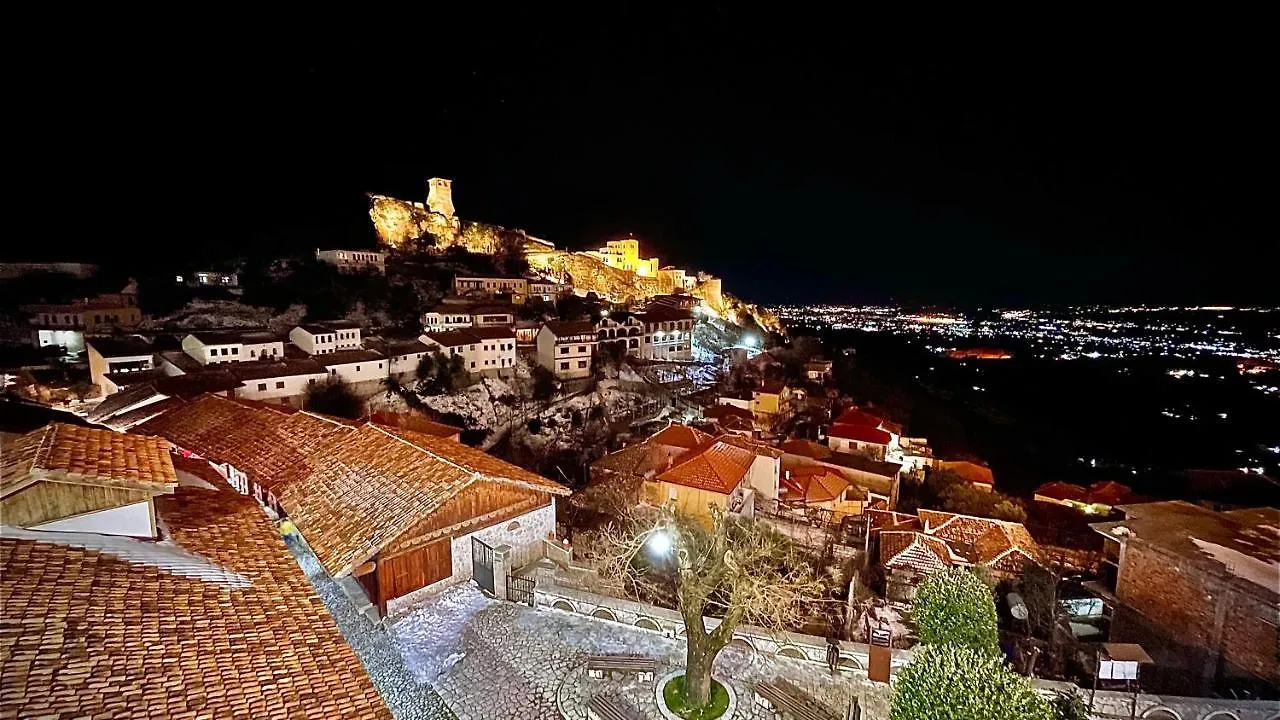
{"x": 697, "y": 671}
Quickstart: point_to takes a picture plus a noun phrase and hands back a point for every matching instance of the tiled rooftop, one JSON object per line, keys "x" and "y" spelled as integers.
{"x": 681, "y": 436}
{"x": 87, "y": 455}
{"x": 717, "y": 467}
{"x": 216, "y": 621}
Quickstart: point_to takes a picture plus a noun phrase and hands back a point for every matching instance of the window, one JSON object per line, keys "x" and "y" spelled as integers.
{"x": 564, "y": 351}
{"x": 473, "y": 364}
{"x": 357, "y": 368}
{"x": 253, "y": 353}
{"x": 235, "y": 351}
{"x": 379, "y": 366}
{"x": 582, "y": 348}
{"x": 224, "y": 351}
{"x": 311, "y": 381}
{"x": 582, "y": 364}
{"x": 564, "y": 366}
{"x": 273, "y": 351}
{"x": 279, "y": 384}
{"x": 262, "y": 387}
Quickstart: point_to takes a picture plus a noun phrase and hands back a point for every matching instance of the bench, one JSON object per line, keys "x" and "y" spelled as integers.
{"x": 609, "y": 708}
{"x": 790, "y": 701}
{"x": 598, "y": 665}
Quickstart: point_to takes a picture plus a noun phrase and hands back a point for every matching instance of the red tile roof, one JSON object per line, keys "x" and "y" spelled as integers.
{"x": 722, "y": 412}
{"x": 1110, "y": 493}
{"x": 351, "y": 489}
{"x": 1062, "y": 491}
{"x": 86, "y": 455}
{"x": 807, "y": 448}
{"x": 88, "y": 632}
{"x": 814, "y": 484}
{"x": 861, "y": 433}
{"x": 913, "y": 551}
{"x": 718, "y": 467}
{"x": 682, "y": 436}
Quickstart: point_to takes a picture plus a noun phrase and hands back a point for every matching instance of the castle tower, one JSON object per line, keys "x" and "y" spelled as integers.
{"x": 440, "y": 196}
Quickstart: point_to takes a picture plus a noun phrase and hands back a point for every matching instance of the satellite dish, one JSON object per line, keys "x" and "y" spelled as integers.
{"x": 1017, "y": 608}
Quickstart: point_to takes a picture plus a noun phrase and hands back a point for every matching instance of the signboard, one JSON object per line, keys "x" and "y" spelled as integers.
{"x": 879, "y": 663}
{"x": 1117, "y": 670}
{"x": 881, "y": 637}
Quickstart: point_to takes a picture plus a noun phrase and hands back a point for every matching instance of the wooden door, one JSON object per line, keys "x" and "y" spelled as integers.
{"x": 402, "y": 574}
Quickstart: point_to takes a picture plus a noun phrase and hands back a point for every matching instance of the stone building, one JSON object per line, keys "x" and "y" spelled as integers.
{"x": 1199, "y": 590}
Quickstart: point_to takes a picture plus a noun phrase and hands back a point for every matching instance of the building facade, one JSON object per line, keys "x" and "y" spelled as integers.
{"x": 484, "y": 351}
{"x": 354, "y": 260}
{"x": 565, "y": 348}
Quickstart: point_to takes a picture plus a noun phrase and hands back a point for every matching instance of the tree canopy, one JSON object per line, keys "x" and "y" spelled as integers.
{"x": 954, "y": 607}
{"x": 955, "y": 682}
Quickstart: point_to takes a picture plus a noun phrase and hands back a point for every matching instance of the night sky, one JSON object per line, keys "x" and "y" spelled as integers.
{"x": 787, "y": 155}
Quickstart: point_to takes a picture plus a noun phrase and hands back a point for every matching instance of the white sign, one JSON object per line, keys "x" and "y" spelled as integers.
{"x": 1117, "y": 670}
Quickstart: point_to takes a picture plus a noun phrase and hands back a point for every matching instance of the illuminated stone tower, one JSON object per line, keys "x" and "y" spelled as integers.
{"x": 440, "y": 196}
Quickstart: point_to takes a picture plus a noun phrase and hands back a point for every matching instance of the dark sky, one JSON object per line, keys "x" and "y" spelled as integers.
{"x": 801, "y": 158}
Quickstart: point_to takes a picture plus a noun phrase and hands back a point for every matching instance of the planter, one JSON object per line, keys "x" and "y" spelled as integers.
{"x": 660, "y": 696}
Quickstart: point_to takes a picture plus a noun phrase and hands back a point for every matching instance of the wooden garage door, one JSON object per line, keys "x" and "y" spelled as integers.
{"x": 402, "y": 574}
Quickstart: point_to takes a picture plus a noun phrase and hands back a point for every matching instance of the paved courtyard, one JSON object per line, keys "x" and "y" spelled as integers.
{"x": 491, "y": 659}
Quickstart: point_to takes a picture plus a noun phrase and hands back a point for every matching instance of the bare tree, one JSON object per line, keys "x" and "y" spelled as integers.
{"x": 723, "y": 566}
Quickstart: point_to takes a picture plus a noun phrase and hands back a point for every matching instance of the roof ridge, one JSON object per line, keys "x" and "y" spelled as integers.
{"x": 45, "y": 446}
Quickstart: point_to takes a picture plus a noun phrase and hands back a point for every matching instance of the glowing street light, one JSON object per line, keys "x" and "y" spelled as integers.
{"x": 659, "y": 542}
{"x": 749, "y": 340}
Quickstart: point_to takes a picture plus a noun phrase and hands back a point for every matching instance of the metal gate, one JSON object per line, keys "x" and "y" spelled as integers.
{"x": 482, "y": 565}
{"x": 520, "y": 590}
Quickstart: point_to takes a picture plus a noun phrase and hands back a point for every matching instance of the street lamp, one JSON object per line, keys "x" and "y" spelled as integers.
{"x": 749, "y": 340}
{"x": 659, "y": 543}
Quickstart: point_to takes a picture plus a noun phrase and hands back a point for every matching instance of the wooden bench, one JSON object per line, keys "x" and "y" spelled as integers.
{"x": 790, "y": 701}
{"x": 609, "y": 708}
{"x": 598, "y": 665}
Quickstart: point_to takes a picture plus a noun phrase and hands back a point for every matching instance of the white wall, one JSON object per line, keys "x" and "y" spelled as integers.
{"x": 497, "y": 355}
{"x": 294, "y": 385}
{"x": 72, "y": 340}
{"x": 437, "y": 321}
{"x": 360, "y": 371}
{"x": 763, "y": 476}
{"x": 131, "y": 520}
{"x": 555, "y": 355}
{"x": 254, "y": 351}
{"x": 405, "y": 364}
{"x": 206, "y": 354}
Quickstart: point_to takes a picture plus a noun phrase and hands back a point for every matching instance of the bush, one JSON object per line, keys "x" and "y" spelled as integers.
{"x": 1069, "y": 706}
{"x": 954, "y": 607}
{"x": 334, "y": 398}
{"x": 954, "y": 682}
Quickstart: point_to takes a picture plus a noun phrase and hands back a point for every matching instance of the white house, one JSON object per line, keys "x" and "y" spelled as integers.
{"x": 668, "y": 333}
{"x": 354, "y": 260}
{"x": 209, "y": 347}
{"x": 278, "y": 380}
{"x": 326, "y": 337}
{"x": 355, "y": 366}
{"x": 565, "y": 348}
{"x": 117, "y": 355}
{"x": 547, "y": 290}
{"x": 484, "y": 351}
{"x": 446, "y": 317}
{"x": 490, "y": 286}
{"x": 402, "y": 356}
{"x": 627, "y": 332}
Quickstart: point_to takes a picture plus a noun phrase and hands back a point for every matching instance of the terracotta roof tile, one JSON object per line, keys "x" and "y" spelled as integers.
{"x": 87, "y": 455}
{"x": 682, "y": 436}
{"x": 854, "y": 416}
{"x": 1062, "y": 491}
{"x": 351, "y": 490}
{"x": 861, "y": 433}
{"x": 814, "y": 484}
{"x": 718, "y": 467}
{"x": 914, "y": 551}
{"x": 807, "y": 448}
{"x": 88, "y": 633}
{"x": 642, "y": 459}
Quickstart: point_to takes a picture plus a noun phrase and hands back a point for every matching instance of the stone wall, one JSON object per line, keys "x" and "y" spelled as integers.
{"x": 1109, "y": 705}
{"x": 808, "y": 648}
{"x": 524, "y": 534}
